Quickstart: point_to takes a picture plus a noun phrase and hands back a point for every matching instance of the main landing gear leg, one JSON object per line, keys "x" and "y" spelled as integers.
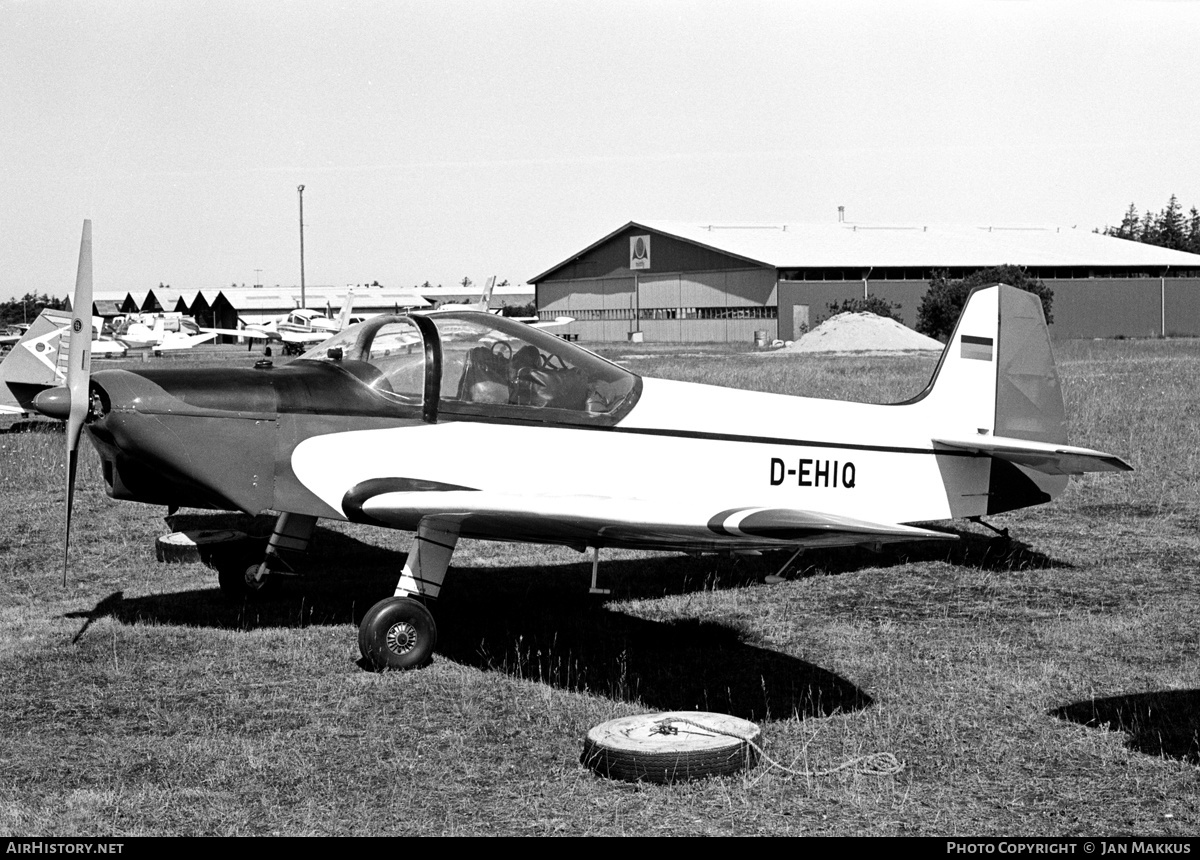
{"x": 595, "y": 589}
{"x": 399, "y": 632}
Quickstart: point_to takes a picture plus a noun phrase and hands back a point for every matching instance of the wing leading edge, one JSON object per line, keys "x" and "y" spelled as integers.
{"x": 613, "y": 522}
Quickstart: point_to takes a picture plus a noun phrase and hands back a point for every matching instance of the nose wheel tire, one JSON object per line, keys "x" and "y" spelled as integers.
{"x": 237, "y": 574}
{"x": 397, "y": 633}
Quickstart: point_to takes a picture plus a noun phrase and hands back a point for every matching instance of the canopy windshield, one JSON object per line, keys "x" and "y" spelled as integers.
{"x": 489, "y": 366}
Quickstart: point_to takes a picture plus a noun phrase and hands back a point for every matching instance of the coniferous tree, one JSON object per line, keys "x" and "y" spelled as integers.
{"x": 1170, "y": 225}
{"x": 1129, "y": 225}
{"x": 1168, "y": 228}
{"x": 27, "y": 308}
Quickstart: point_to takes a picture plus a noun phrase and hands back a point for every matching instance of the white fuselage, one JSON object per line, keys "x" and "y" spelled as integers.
{"x": 686, "y": 445}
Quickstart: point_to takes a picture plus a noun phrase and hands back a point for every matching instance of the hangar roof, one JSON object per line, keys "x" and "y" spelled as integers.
{"x": 844, "y": 245}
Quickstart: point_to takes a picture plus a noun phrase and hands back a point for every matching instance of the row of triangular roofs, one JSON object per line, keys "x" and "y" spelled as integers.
{"x": 257, "y": 304}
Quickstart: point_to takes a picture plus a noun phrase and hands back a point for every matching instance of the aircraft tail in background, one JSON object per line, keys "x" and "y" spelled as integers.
{"x": 343, "y": 319}
{"x": 35, "y": 363}
{"x": 484, "y": 303}
{"x": 485, "y": 300}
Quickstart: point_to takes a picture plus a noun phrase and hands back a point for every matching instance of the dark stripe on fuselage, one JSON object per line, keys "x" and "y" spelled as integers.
{"x": 778, "y": 440}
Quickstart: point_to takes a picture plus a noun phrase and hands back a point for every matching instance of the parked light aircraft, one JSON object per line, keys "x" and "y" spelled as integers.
{"x": 12, "y": 334}
{"x": 299, "y": 330}
{"x": 161, "y": 332}
{"x": 37, "y": 361}
{"x": 371, "y": 427}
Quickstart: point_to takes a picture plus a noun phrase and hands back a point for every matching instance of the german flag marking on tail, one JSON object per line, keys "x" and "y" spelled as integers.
{"x": 979, "y": 348}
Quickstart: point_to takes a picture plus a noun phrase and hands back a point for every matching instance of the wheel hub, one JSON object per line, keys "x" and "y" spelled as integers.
{"x": 401, "y": 637}
{"x": 253, "y": 581}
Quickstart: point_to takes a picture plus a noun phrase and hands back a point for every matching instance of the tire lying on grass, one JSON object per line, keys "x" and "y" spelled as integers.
{"x": 193, "y": 546}
{"x": 671, "y": 747}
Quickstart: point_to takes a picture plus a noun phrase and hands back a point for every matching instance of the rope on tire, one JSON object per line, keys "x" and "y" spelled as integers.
{"x": 872, "y": 764}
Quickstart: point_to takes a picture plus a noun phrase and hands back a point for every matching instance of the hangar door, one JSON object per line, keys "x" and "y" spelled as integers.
{"x": 603, "y": 308}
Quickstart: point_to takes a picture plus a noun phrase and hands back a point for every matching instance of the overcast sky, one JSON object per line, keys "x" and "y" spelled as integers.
{"x": 438, "y": 140}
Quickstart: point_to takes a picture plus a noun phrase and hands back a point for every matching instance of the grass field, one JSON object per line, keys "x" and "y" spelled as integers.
{"x": 1046, "y": 687}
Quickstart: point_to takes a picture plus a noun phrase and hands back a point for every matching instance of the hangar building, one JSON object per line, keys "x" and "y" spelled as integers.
{"x": 674, "y": 281}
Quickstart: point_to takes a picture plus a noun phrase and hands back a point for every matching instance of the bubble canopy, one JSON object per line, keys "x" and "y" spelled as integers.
{"x": 464, "y": 363}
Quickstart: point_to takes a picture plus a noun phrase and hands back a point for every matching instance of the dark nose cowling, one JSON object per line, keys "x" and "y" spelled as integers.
{"x": 54, "y": 403}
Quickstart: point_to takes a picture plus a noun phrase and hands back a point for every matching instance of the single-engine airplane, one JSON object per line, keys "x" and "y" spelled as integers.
{"x": 655, "y": 464}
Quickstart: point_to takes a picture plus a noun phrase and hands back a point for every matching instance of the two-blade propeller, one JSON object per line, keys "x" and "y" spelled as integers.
{"x": 79, "y": 371}
{"x": 72, "y": 402}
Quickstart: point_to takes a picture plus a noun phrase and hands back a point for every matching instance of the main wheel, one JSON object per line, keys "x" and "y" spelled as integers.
{"x": 397, "y": 633}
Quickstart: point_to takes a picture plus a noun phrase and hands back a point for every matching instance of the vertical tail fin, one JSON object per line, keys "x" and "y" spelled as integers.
{"x": 996, "y": 376}
{"x": 485, "y": 300}
{"x": 36, "y": 362}
{"x": 996, "y": 395}
{"x": 347, "y": 309}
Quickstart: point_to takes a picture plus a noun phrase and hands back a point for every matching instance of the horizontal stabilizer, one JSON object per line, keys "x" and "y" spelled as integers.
{"x": 1045, "y": 457}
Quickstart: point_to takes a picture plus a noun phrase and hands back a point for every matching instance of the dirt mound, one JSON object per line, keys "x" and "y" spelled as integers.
{"x": 862, "y": 332}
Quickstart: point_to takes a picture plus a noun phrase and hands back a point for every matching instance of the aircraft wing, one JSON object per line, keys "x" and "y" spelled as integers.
{"x": 1046, "y": 457}
{"x": 604, "y": 521}
{"x": 537, "y": 322}
{"x": 197, "y": 339}
{"x": 557, "y": 321}
{"x": 305, "y": 337}
{"x": 249, "y": 333}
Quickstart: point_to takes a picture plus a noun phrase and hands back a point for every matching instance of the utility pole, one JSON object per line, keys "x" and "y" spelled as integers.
{"x": 303, "y": 303}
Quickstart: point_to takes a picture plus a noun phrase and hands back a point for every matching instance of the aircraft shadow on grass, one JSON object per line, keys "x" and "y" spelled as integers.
{"x": 1164, "y": 723}
{"x": 539, "y": 622}
{"x": 971, "y": 550}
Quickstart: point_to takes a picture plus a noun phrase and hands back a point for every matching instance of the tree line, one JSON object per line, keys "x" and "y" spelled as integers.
{"x": 27, "y": 308}
{"x": 1169, "y": 228}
